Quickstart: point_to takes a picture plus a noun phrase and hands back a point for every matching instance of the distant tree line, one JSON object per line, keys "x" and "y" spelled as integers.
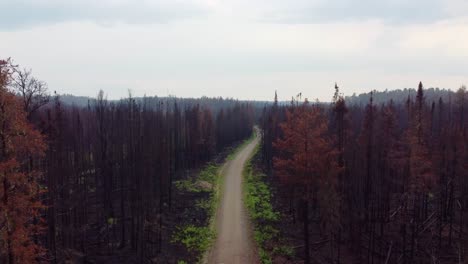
{"x": 215, "y": 104}
{"x": 382, "y": 182}
{"x": 399, "y": 96}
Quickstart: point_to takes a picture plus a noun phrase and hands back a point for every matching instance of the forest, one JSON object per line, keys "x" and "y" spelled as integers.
{"x": 96, "y": 182}
{"x": 374, "y": 178}
{"x": 381, "y": 182}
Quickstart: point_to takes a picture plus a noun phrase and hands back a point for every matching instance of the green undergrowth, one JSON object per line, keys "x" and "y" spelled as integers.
{"x": 257, "y": 199}
{"x": 195, "y": 238}
{"x": 198, "y": 239}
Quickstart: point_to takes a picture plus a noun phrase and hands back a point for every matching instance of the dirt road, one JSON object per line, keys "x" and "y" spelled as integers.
{"x": 233, "y": 244}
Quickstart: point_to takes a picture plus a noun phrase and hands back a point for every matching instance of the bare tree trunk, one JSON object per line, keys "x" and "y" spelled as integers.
{"x": 305, "y": 205}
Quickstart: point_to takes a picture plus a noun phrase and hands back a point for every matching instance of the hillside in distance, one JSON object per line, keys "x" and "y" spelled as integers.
{"x": 397, "y": 95}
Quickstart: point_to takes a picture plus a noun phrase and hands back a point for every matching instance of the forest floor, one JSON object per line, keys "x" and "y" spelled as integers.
{"x": 234, "y": 240}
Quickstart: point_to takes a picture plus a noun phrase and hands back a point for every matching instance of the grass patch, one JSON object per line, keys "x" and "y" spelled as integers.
{"x": 257, "y": 199}
{"x": 195, "y": 238}
{"x": 209, "y": 174}
{"x": 198, "y": 239}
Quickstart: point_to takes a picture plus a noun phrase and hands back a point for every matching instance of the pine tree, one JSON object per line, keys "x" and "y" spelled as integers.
{"x": 20, "y": 191}
{"x": 307, "y": 161}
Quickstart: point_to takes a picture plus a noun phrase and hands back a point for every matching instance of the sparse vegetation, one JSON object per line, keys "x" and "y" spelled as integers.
{"x": 257, "y": 200}
{"x": 195, "y": 238}
{"x": 198, "y": 239}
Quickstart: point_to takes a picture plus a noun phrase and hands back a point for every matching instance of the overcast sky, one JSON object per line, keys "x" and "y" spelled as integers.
{"x": 244, "y": 49}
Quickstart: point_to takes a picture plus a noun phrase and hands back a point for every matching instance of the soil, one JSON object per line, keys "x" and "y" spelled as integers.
{"x": 234, "y": 240}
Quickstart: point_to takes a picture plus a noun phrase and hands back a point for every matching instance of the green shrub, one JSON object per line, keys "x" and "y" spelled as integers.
{"x": 208, "y": 174}
{"x": 194, "y": 238}
{"x": 204, "y": 204}
{"x": 264, "y": 257}
{"x": 186, "y": 185}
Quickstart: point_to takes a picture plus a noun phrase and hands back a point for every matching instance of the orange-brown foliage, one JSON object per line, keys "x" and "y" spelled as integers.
{"x": 306, "y": 158}
{"x": 19, "y": 191}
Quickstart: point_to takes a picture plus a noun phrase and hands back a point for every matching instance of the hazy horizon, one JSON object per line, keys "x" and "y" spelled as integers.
{"x": 237, "y": 49}
{"x": 108, "y": 96}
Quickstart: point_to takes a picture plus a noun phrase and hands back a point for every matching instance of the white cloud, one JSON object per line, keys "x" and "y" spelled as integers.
{"x": 447, "y": 37}
{"x": 31, "y": 13}
{"x": 27, "y": 13}
{"x": 229, "y": 48}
